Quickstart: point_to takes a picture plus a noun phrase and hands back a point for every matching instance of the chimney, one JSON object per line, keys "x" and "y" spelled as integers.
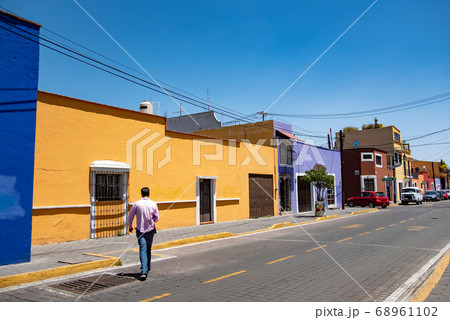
{"x": 146, "y": 107}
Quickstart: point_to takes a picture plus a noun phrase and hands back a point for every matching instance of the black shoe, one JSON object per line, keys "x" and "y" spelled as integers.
{"x": 143, "y": 277}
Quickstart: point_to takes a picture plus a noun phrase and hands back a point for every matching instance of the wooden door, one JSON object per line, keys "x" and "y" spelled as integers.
{"x": 304, "y": 195}
{"x": 260, "y": 195}
{"x": 205, "y": 201}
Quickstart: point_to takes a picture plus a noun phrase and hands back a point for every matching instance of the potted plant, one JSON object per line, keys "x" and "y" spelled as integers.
{"x": 321, "y": 181}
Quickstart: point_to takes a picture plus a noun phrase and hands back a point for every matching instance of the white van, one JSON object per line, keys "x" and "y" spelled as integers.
{"x": 412, "y": 194}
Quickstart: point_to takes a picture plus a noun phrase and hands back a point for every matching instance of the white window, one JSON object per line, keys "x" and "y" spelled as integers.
{"x": 378, "y": 160}
{"x": 109, "y": 198}
{"x": 366, "y": 156}
{"x": 369, "y": 183}
{"x": 286, "y": 153}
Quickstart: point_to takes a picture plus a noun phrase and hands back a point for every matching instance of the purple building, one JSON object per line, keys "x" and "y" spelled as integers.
{"x": 295, "y": 157}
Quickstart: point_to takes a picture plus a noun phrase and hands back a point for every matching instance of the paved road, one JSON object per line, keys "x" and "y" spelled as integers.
{"x": 360, "y": 258}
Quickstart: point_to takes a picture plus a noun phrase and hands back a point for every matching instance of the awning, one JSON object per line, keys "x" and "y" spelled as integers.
{"x": 108, "y": 165}
{"x": 291, "y": 136}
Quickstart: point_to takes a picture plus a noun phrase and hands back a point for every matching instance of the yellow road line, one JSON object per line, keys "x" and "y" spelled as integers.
{"x": 391, "y": 225}
{"x": 282, "y": 259}
{"x": 345, "y": 239}
{"x": 402, "y": 221}
{"x": 156, "y": 297}
{"x": 316, "y": 248}
{"x": 362, "y": 234}
{"x": 380, "y": 228}
{"x": 353, "y": 226}
{"x": 411, "y": 219}
{"x": 432, "y": 281}
{"x": 224, "y": 277}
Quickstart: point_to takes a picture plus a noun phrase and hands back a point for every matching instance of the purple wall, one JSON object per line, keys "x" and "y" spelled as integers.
{"x": 306, "y": 156}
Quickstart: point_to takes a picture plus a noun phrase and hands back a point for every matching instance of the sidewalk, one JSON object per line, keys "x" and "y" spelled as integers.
{"x": 61, "y": 259}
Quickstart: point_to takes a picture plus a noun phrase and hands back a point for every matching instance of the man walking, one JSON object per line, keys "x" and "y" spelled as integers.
{"x": 146, "y": 212}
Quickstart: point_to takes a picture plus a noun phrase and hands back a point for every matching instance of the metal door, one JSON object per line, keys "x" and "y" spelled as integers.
{"x": 260, "y": 195}
{"x": 205, "y": 201}
{"x": 304, "y": 195}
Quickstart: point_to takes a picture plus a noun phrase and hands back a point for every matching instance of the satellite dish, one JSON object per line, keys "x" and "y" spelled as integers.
{"x": 356, "y": 144}
{"x": 417, "y": 169}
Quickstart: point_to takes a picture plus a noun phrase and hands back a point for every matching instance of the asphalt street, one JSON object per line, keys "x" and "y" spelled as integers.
{"x": 365, "y": 257}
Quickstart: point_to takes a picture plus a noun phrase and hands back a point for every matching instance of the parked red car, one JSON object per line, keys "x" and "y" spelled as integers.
{"x": 369, "y": 198}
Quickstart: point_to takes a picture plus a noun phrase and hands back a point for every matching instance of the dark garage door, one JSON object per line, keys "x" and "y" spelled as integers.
{"x": 260, "y": 195}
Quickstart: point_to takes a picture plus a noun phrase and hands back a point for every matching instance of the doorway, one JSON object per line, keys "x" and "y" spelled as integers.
{"x": 260, "y": 195}
{"x": 303, "y": 195}
{"x": 205, "y": 202}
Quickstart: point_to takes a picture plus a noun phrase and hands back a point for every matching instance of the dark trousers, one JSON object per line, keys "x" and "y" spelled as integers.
{"x": 145, "y": 241}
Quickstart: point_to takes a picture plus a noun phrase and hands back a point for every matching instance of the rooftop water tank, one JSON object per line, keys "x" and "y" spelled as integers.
{"x": 146, "y": 107}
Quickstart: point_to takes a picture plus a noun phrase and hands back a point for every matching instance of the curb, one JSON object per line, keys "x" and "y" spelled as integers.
{"x": 364, "y": 211}
{"x": 182, "y": 242}
{"x": 28, "y": 277}
{"x": 422, "y": 294}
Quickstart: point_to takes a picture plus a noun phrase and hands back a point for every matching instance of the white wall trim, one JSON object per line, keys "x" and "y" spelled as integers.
{"x": 334, "y": 187}
{"x": 377, "y": 165}
{"x": 213, "y": 198}
{"x": 369, "y": 177}
{"x": 367, "y": 153}
{"x": 62, "y": 207}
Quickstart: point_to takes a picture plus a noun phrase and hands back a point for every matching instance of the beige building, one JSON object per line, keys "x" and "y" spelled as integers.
{"x": 399, "y": 158}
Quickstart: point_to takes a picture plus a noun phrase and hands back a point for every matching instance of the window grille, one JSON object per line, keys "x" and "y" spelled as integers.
{"x": 108, "y": 187}
{"x": 369, "y": 184}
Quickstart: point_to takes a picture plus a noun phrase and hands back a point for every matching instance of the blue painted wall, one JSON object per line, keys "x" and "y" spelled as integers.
{"x": 19, "y": 64}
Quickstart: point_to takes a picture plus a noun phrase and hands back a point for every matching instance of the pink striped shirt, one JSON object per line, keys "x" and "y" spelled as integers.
{"x": 146, "y": 212}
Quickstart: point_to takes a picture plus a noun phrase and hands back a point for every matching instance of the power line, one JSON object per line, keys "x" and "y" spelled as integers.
{"x": 124, "y": 75}
{"x": 404, "y": 106}
{"x": 429, "y": 134}
{"x": 320, "y": 57}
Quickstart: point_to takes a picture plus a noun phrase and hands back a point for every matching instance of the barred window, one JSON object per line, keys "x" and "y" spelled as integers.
{"x": 107, "y": 187}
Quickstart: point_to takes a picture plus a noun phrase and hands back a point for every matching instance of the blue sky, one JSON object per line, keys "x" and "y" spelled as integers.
{"x": 247, "y": 53}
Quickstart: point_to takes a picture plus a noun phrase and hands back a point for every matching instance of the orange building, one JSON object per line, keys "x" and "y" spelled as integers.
{"x": 91, "y": 161}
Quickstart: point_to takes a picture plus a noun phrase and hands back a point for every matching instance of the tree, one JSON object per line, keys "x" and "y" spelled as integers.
{"x": 443, "y": 166}
{"x": 320, "y": 179}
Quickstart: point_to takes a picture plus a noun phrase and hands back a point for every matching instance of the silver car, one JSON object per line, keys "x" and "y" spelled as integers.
{"x": 431, "y": 196}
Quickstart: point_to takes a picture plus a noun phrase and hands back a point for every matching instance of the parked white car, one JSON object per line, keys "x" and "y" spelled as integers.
{"x": 412, "y": 194}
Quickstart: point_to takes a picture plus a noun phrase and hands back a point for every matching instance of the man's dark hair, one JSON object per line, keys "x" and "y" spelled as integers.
{"x": 145, "y": 192}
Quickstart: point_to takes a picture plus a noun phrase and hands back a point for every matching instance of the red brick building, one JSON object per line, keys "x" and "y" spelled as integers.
{"x": 364, "y": 170}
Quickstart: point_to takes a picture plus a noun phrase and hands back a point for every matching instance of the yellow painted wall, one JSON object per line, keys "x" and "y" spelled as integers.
{"x": 71, "y": 134}
{"x": 260, "y": 132}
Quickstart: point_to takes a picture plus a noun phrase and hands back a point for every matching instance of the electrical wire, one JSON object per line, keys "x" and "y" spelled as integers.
{"x": 401, "y": 107}
{"x": 124, "y": 75}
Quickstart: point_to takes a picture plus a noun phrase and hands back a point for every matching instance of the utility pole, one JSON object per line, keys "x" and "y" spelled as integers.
{"x": 207, "y": 94}
{"x": 331, "y": 136}
{"x": 263, "y": 114}
{"x": 341, "y": 146}
{"x": 329, "y": 142}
